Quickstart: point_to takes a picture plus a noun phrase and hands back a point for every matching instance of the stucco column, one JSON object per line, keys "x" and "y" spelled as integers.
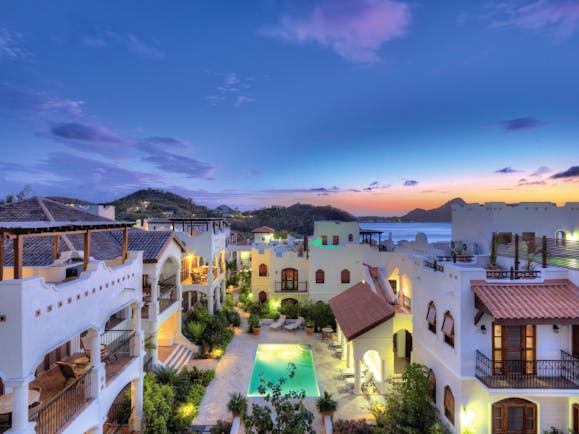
{"x": 210, "y": 293}
{"x": 75, "y": 346}
{"x": 155, "y": 352}
{"x": 137, "y": 343}
{"x": 136, "y": 420}
{"x": 401, "y": 343}
{"x": 350, "y": 358}
{"x": 98, "y": 374}
{"x": 189, "y": 297}
{"x": 154, "y": 305}
{"x": 218, "y": 297}
{"x": 20, "y": 422}
{"x": 357, "y": 375}
{"x": 383, "y": 374}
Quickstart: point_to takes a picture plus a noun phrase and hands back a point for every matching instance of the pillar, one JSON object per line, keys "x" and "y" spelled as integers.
{"x": 383, "y": 374}
{"x": 154, "y": 305}
{"x": 137, "y": 343}
{"x": 98, "y": 375}
{"x": 20, "y": 423}
{"x": 401, "y": 343}
{"x": 218, "y": 298}
{"x": 75, "y": 346}
{"x": 155, "y": 351}
{"x": 210, "y": 290}
{"x": 136, "y": 420}
{"x": 357, "y": 376}
{"x": 189, "y": 297}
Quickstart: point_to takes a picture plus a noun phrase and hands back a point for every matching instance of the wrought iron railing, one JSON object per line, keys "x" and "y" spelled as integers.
{"x": 513, "y": 274}
{"x": 117, "y": 419}
{"x": 116, "y": 341}
{"x": 62, "y": 408}
{"x": 164, "y": 303}
{"x": 528, "y": 374}
{"x": 291, "y": 286}
{"x": 434, "y": 265}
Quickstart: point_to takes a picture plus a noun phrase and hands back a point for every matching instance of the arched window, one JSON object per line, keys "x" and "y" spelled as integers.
{"x": 262, "y": 270}
{"x": 432, "y": 385}
{"x": 449, "y": 404}
{"x": 335, "y": 240}
{"x": 320, "y": 276}
{"x": 289, "y": 279}
{"x": 345, "y": 275}
{"x": 431, "y": 317}
{"x": 448, "y": 328}
{"x": 514, "y": 415}
{"x": 350, "y": 237}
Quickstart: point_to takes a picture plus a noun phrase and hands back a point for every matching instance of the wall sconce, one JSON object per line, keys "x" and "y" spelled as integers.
{"x": 555, "y": 328}
{"x": 483, "y": 329}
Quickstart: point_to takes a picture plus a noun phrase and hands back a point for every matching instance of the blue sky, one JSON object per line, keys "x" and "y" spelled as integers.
{"x": 371, "y": 105}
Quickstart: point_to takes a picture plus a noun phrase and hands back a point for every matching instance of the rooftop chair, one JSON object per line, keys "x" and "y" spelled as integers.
{"x": 86, "y": 348}
{"x": 69, "y": 372}
{"x": 296, "y": 325}
{"x": 277, "y": 325}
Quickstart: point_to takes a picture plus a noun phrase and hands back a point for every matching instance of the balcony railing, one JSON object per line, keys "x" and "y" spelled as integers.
{"x": 513, "y": 274}
{"x": 433, "y": 265}
{"x": 455, "y": 258}
{"x": 165, "y": 302}
{"x": 528, "y": 374}
{"x": 291, "y": 286}
{"x": 56, "y": 413}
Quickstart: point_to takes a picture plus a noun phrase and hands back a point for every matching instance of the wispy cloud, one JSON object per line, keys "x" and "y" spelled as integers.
{"x": 572, "y": 172}
{"x": 10, "y": 45}
{"x": 144, "y": 47}
{"x": 41, "y": 103}
{"x": 410, "y": 183}
{"x": 559, "y": 18}
{"x": 376, "y": 185}
{"x": 542, "y": 170}
{"x": 506, "y": 170}
{"x": 526, "y": 182}
{"x": 521, "y": 124}
{"x": 231, "y": 89}
{"x": 354, "y": 29}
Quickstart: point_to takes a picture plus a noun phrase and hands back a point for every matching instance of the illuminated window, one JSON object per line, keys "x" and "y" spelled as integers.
{"x": 262, "y": 270}
{"x": 320, "y": 276}
{"x": 448, "y": 329}
{"x": 335, "y": 240}
{"x": 324, "y": 240}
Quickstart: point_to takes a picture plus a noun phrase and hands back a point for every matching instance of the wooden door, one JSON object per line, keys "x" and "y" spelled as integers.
{"x": 514, "y": 416}
{"x": 514, "y": 349}
{"x": 575, "y": 417}
{"x": 575, "y": 348}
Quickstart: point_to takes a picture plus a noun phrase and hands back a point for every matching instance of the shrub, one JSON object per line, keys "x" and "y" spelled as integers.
{"x": 233, "y": 318}
{"x": 196, "y": 394}
{"x": 352, "y": 427}
{"x": 195, "y": 330}
{"x": 158, "y": 402}
{"x": 237, "y": 404}
{"x": 221, "y": 427}
{"x": 195, "y": 375}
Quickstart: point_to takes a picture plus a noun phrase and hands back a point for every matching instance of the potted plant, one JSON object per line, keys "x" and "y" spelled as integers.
{"x": 326, "y": 405}
{"x": 310, "y": 327}
{"x": 255, "y": 325}
{"x": 237, "y": 404}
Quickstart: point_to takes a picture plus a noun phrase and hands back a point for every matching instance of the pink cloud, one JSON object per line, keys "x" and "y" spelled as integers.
{"x": 561, "y": 17}
{"x": 355, "y": 29}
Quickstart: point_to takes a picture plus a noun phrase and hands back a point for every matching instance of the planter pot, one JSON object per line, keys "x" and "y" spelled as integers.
{"x": 256, "y": 331}
{"x": 309, "y": 331}
{"x": 330, "y": 413}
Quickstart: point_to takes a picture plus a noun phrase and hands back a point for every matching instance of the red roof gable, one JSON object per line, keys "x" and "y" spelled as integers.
{"x": 359, "y": 309}
{"x": 548, "y": 302}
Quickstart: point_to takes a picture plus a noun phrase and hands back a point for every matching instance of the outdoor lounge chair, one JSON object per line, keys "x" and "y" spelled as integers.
{"x": 69, "y": 372}
{"x": 295, "y": 325}
{"x": 347, "y": 372}
{"x": 280, "y": 322}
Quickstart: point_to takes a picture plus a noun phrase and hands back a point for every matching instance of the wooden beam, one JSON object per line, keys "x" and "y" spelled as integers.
{"x": 478, "y": 316}
{"x": 18, "y": 247}
{"x": 56, "y": 251}
{"x": 125, "y": 244}
{"x": 1, "y": 257}
{"x": 86, "y": 250}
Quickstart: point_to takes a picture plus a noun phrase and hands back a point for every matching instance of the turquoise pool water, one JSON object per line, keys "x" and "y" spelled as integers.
{"x": 271, "y": 361}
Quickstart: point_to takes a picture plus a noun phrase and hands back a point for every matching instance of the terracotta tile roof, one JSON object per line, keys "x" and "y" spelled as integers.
{"x": 35, "y": 209}
{"x": 531, "y": 303}
{"x": 69, "y": 200}
{"x": 359, "y": 309}
{"x": 263, "y": 230}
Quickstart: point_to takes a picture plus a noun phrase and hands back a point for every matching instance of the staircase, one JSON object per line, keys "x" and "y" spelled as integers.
{"x": 179, "y": 358}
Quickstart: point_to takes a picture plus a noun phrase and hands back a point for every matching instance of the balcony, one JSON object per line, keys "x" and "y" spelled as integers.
{"x": 291, "y": 287}
{"x": 167, "y": 300}
{"x": 529, "y": 374}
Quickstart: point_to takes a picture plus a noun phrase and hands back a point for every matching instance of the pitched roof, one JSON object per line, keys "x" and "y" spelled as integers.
{"x": 359, "y": 309}
{"x": 548, "y": 302}
{"x": 38, "y": 251}
{"x": 69, "y": 200}
{"x": 263, "y": 230}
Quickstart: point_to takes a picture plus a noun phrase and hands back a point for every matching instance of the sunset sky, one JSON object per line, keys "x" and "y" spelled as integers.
{"x": 373, "y": 106}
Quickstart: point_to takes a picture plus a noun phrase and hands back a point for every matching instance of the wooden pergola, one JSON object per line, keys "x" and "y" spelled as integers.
{"x": 17, "y": 231}
{"x": 367, "y": 235}
{"x": 214, "y": 222}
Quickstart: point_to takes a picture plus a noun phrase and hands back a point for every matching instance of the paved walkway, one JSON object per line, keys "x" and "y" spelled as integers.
{"x": 233, "y": 373}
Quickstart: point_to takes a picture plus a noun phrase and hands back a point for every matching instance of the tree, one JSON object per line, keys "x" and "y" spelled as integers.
{"x": 158, "y": 400}
{"x": 22, "y": 194}
{"x": 409, "y": 408}
{"x": 282, "y": 413}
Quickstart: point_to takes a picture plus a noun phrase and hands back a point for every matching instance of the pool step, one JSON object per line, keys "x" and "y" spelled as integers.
{"x": 179, "y": 358}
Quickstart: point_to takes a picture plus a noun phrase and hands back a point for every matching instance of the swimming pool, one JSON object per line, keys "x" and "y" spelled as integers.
{"x": 271, "y": 361}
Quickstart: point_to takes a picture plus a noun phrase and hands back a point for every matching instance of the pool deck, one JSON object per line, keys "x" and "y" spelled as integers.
{"x": 233, "y": 373}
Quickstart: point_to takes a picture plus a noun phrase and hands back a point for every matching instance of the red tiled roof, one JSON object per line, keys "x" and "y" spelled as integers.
{"x": 263, "y": 230}
{"x": 359, "y": 309}
{"x": 531, "y": 303}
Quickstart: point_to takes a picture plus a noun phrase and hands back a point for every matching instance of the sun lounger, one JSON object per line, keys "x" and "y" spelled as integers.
{"x": 347, "y": 372}
{"x": 350, "y": 381}
{"x": 296, "y": 325}
{"x": 277, "y": 325}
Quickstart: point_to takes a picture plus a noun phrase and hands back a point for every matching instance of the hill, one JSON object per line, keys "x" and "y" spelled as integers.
{"x": 440, "y": 214}
{"x": 157, "y": 203}
{"x": 297, "y": 218}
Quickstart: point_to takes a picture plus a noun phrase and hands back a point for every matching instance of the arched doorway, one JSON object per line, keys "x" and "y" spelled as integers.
{"x": 560, "y": 238}
{"x": 402, "y": 347}
{"x": 262, "y": 296}
{"x": 372, "y": 376}
{"x": 514, "y": 416}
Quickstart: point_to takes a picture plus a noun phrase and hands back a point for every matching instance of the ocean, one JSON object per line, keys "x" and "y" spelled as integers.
{"x": 407, "y": 231}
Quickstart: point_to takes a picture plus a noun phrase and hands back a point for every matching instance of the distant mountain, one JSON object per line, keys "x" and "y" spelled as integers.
{"x": 440, "y": 214}
{"x": 157, "y": 203}
{"x": 298, "y": 218}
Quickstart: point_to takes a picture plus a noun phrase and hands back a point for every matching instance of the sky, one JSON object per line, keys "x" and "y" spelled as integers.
{"x": 373, "y": 106}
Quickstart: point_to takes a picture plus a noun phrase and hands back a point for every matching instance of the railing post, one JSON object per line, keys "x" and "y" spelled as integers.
{"x": 544, "y": 251}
